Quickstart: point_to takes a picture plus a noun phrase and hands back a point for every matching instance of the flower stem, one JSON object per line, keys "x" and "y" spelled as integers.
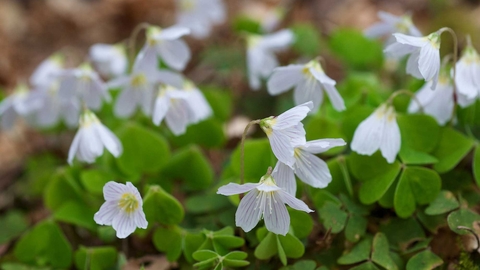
{"x": 455, "y": 49}
{"x": 472, "y": 232}
{"x": 405, "y": 92}
{"x": 242, "y": 149}
{"x": 132, "y": 40}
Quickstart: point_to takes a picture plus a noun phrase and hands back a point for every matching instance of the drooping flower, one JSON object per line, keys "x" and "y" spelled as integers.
{"x": 286, "y": 131}
{"x": 47, "y": 70}
{"x": 424, "y": 59}
{"x": 438, "y": 103}
{"x": 21, "y": 102}
{"x": 200, "y": 108}
{"x": 91, "y": 138}
{"x": 166, "y": 44}
{"x": 261, "y": 59}
{"x": 84, "y": 84}
{"x": 379, "y": 131}
{"x": 200, "y": 15}
{"x": 308, "y": 167}
{"x": 309, "y": 81}
{"x": 264, "y": 199}
{"x": 122, "y": 209}
{"x": 138, "y": 89}
{"x": 172, "y": 105}
{"x": 390, "y": 24}
{"x": 109, "y": 60}
{"x": 467, "y": 77}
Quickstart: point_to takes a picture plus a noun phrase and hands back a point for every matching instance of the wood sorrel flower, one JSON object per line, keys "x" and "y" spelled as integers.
{"x": 286, "y": 131}
{"x": 47, "y": 70}
{"x": 424, "y": 59}
{"x": 379, "y": 131}
{"x": 166, "y": 44}
{"x": 308, "y": 167}
{"x": 122, "y": 209}
{"x": 200, "y": 15}
{"x": 109, "y": 60}
{"x": 390, "y": 24}
{"x": 91, "y": 138}
{"x": 309, "y": 81}
{"x": 467, "y": 77}
{"x": 200, "y": 108}
{"x": 264, "y": 199}
{"x": 84, "y": 84}
{"x": 172, "y": 105}
{"x": 21, "y": 102}
{"x": 261, "y": 59}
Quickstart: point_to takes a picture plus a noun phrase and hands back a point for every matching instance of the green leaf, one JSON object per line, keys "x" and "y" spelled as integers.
{"x": 445, "y": 202}
{"x": 220, "y": 100}
{"x": 144, "y": 151}
{"x": 235, "y": 263}
{"x": 77, "y": 214}
{"x": 356, "y": 227}
{"x": 476, "y": 165}
{"x": 267, "y": 247}
{"x": 236, "y": 255}
{"x": 365, "y": 266}
{"x": 258, "y": 157}
{"x": 18, "y": 266}
{"x": 307, "y": 39}
{"x": 192, "y": 242}
{"x": 424, "y": 260}
{"x": 323, "y": 196}
{"x": 203, "y": 255}
{"x": 413, "y": 157}
{"x": 62, "y": 189}
{"x": 352, "y": 206}
{"x": 453, "y": 146}
{"x": 380, "y": 252}
{"x": 244, "y": 23}
{"x": 420, "y": 132}
{"x": 402, "y": 232}
{"x": 94, "y": 180}
{"x": 190, "y": 165}
{"x": 374, "y": 189}
{"x": 355, "y": 50}
{"x": 432, "y": 223}
{"x": 44, "y": 243}
{"x": 12, "y": 224}
{"x": 416, "y": 184}
{"x": 208, "y": 133}
{"x": 365, "y": 168}
{"x": 95, "y": 258}
{"x": 333, "y": 217}
{"x": 168, "y": 240}
{"x": 462, "y": 217}
{"x": 293, "y": 247}
{"x": 206, "y": 203}
{"x": 357, "y": 113}
{"x": 360, "y": 252}
{"x": 302, "y": 265}
{"x": 281, "y": 252}
{"x": 319, "y": 127}
{"x": 301, "y": 222}
{"x": 159, "y": 206}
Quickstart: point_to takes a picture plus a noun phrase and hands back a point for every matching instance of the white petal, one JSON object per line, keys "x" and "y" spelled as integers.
{"x": 413, "y": 66}
{"x": 233, "y": 188}
{"x": 178, "y": 117}
{"x": 169, "y": 78}
{"x": 254, "y": 61}
{"x": 391, "y": 138}
{"x": 74, "y": 146}
{"x": 368, "y": 135}
{"x": 398, "y": 50}
{"x": 281, "y": 147}
{"x": 285, "y": 178}
{"x": 424, "y": 95}
{"x": 124, "y": 224}
{"x": 296, "y": 134}
{"x": 441, "y": 103}
{"x": 378, "y": 30}
{"x": 162, "y": 104}
{"x": 322, "y": 145}
{"x": 126, "y": 103}
{"x": 173, "y": 32}
{"x": 109, "y": 140}
{"x": 293, "y": 116}
{"x": 146, "y": 58}
{"x": 278, "y": 40}
{"x": 307, "y": 90}
{"x": 429, "y": 62}
{"x": 248, "y": 213}
{"x": 293, "y": 202}
{"x": 113, "y": 191}
{"x": 119, "y": 82}
{"x": 335, "y": 98}
{"x": 108, "y": 211}
{"x": 388, "y": 17}
{"x": 465, "y": 79}
{"x": 311, "y": 169}
{"x": 175, "y": 53}
{"x": 412, "y": 41}
{"x": 284, "y": 78}
{"x": 276, "y": 217}
{"x": 140, "y": 220}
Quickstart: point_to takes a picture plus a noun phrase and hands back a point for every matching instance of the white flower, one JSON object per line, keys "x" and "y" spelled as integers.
{"x": 166, "y": 44}
{"x": 172, "y": 105}
{"x": 379, "y": 131}
{"x": 200, "y": 108}
{"x": 109, "y": 60}
{"x": 272, "y": 18}
{"x": 424, "y": 59}
{"x": 309, "y": 81}
{"x": 392, "y": 24}
{"x": 308, "y": 167}
{"x": 91, "y": 138}
{"x": 261, "y": 59}
{"x": 47, "y": 70}
{"x": 138, "y": 89}
{"x": 263, "y": 199}
{"x": 85, "y": 84}
{"x": 200, "y": 15}
{"x": 467, "y": 76}
{"x": 122, "y": 209}
{"x": 286, "y": 131}
{"x": 54, "y": 108}
{"x": 21, "y": 102}
{"x": 438, "y": 103}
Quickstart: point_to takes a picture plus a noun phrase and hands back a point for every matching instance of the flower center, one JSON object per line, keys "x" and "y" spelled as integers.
{"x": 139, "y": 80}
{"x": 187, "y": 5}
{"x": 128, "y": 203}
{"x": 266, "y": 125}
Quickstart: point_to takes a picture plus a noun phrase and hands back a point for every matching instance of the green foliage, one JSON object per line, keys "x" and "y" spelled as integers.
{"x": 221, "y": 241}
{"x": 452, "y": 148}
{"x": 423, "y": 261}
{"x": 211, "y": 260}
{"x": 12, "y": 224}
{"x": 95, "y": 258}
{"x": 307, "y": 39}
{"x": 77, "y": 214}
{"x": 169, "y": 240}
{"x": 44, "y": 245}
{"x": 93, "y": 180}
{"x": 159, "y": 206}
{"x": 444, "y": 203}
{"x": 319, "y": 127}
{"x": 271, "y": 244}
{"x": 258, "y": 157}
{"x": 462, "y": 217}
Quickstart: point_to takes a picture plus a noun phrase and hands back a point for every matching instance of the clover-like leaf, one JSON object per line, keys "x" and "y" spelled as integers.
{"x": 451, "y": 149}
{"x": 445, "y": 202}
{"x": 424, "y": 260}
